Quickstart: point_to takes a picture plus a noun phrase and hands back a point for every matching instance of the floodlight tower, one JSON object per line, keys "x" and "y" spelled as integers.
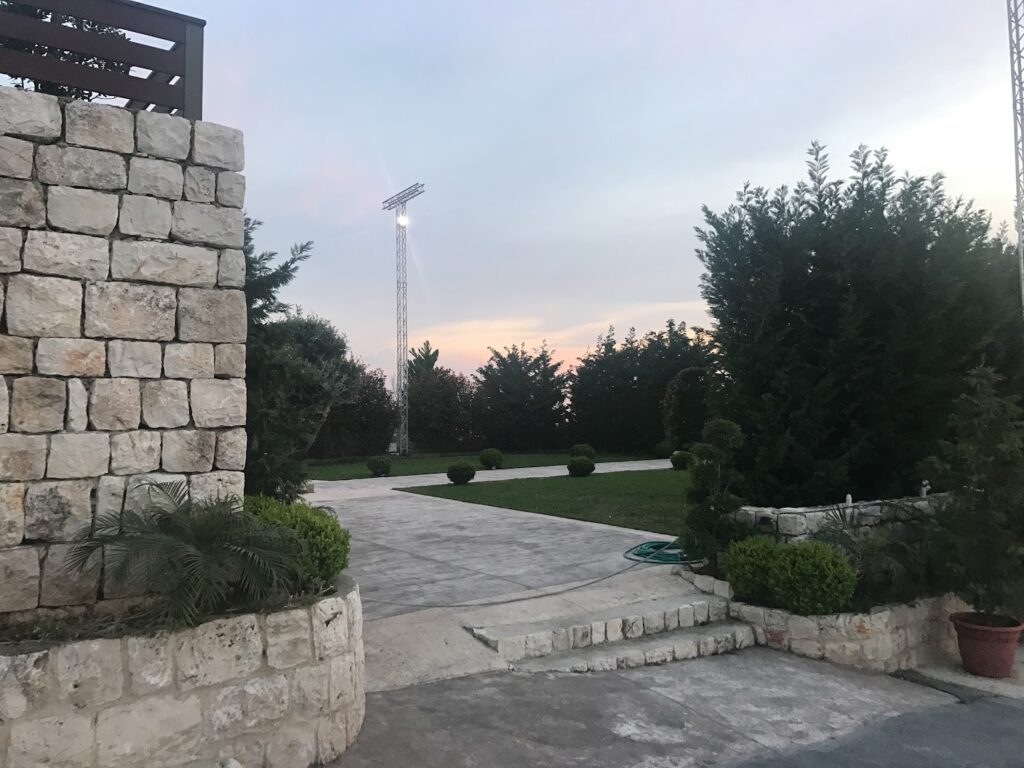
{"x": 397, "y": 204}
{"x": 1015, "y": 17}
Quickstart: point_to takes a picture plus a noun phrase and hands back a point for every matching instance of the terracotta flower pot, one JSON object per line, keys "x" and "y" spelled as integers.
{"x": 988, "y": 644}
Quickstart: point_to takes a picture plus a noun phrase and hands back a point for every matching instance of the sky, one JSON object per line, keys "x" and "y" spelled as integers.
{"x": 567, "y": 146}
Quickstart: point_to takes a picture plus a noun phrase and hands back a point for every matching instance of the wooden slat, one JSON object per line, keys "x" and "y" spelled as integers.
{"x": 20, "y": 64}
{"x": 137, "y": 18}
{"x": 109, "y": 47}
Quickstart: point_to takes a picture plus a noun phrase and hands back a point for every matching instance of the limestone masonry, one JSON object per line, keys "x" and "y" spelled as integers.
{"x": 122, "y": 325}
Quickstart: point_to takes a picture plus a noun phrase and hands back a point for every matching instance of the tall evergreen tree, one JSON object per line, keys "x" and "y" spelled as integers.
{"x": 440, "y": 405}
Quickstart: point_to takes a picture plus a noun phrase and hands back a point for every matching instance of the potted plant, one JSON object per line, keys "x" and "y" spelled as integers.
{"x": 981, "y": 524}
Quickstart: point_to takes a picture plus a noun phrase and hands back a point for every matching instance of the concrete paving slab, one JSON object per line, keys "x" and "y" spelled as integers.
{"x": 954, "y": 674}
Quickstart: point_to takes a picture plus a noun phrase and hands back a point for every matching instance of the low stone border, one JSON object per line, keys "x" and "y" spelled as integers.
{"x": 276, "y": 690}
{"x": 885, "y": 639}
{"x": 795, "y": 523}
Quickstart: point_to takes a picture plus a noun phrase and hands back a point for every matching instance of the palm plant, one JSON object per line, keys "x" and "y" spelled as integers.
{"x": 193, "y": 557}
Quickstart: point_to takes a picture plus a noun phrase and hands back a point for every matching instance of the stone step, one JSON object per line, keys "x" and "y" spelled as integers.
{"x": 677, "y": 645}
{"x": 624, "y": 621}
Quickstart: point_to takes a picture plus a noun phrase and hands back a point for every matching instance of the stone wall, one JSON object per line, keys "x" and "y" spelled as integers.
{"x": 122, "y": 325}
{"x": 281, "y": 690}
{"x": 885, "y": 639}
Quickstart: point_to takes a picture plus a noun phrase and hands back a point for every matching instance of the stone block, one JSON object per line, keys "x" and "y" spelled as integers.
{"x": 207, "y": 225}
{"x": 25, "y": 684}
{"x": 341, "y": 682}
{"x": 109, "y": 495}
{"x": 15, "y": 355}
{"x": 154, "y": 731}
{"x": 77, "y": 167}
{"x": 330, "y": 628}
{"x": 806, "y": 647}
{"x": 11, "y": 240}
{"x": 100, "y": 126}
{"x": 331, "y": 736}
{"x": 156, "y": 178}
{"x": 718, "y": 610}
{"x": 581, "y": 637}
{"x": 161, "y": 135}
{"x": 61, "y": 740}
{"x": 143, "y": 216}
{"x": 792, "y": 524}
{"x": 67, "y": 255}
{"x": 654, "y": 622}
{"x": 71, "y": 357}
{"x": 61, "y": 587}
{"x": 218, "y": 402}
{"x": 135, "y": 359}
{"x": 115, "y": 404}
{"x": 165, "y": 404}
{"x": 139, "y": 490}
{"x": 21, "y": 203}
{"x": 200, "y": 184}
{"x": 135, "y": 452}
{"x": 229, "y": 361}
{"x": 77, "y": 418}
{"x": 538, "y": 644}
{"x": 597, "y": 633}
{"x": 231, "y": 448}
{"x": 30, "y": 114}
{"x": 129, "y": 311}
{"x": 150, "y": 667}
{"x": 189, "y": 361}
{"x": 163, "y": 263}
{"x": 714, "y": 644}
{"x": 57, "y": 510}
{"x": 78, "y": 454}
{"x": 686, "y": 618}
{"x": 292, "y": 746}
{"x": 251, "y": 704}
{"x": 16, "y": 157}
{"x": 218, "y": 651}
{"x": 744, "y": 637}
{"x": 704, "y": 583}
{"x": 613, "y": 630}
{"x": 723, "y": 589}
{"x": 19, "y": 573}
{"x": 37, "y": 404}
{"x": 22, "y": 457}
{"x": 82, "y": 210}
{"x": 218, "y": 146}
{"x": 12, "y": 517}
{"x": 802, "y": 628}
{"x": 43, "y": 306}
{"x": 231, "y": 189}
{"x": 232, "y": 269}
{"x": 701, "y": 612}
{"x": 632, "y": 627}
{"x": 188, "y": 450}
{"x": 288, "y": 638}
{"x": 5, "y": 405}
{"x": 211, "y": 315}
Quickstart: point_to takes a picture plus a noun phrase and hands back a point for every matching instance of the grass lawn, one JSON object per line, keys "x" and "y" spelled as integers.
{"x": 649, "y": 500}
{"x": 353, "y": 469}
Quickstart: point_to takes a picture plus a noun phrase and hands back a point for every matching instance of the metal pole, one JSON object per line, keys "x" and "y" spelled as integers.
{"x": 402, "y": 362}
{"x": 1015, "y": 17}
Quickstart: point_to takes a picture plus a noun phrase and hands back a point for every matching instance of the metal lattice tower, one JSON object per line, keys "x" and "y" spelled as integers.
{"x": 397, "y": 204}
{"x": 1015, "y": 17}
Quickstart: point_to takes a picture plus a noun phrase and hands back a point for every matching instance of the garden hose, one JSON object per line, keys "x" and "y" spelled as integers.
{"x": 660, "y": 553}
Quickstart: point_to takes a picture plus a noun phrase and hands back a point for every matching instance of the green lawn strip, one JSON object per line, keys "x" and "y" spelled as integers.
{"x": 354, "y": 469}
{"x": 648, "y": 500}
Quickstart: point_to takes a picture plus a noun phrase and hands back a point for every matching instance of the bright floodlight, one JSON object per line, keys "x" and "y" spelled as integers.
{"x": 402, "y": 220}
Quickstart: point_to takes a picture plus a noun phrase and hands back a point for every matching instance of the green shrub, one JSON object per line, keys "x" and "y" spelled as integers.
{"x": 663, "y": 450}
{"x": 746, "y": 566}
{"x": 193, "y": 558}
{"x": 582, "y": 449}
{"x": 580, "y": 466}
{"x": 325, "y": 542}
{"x": 461, "y": 473}
{"x": 812, "y": 577}
{"x": 379, "y": 466}
{"x": 711, "y": 495}
{"x": 680, "y": 459}
{"x": 491, "y": 458}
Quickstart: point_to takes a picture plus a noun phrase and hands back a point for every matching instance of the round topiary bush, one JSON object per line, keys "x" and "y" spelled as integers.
{"x": 325, "y": 543}
{"x": 746, "y": 566}
{"x": 379, "y": 466}
{"x": 663, "y": 450}
{"x": 491, "y": 458}
{"x": 583, "y": 449}
{"x": 811, "y": 577}
{"x": 580, "y": 466}
{"x": 680, "y": 459}
{"x": 461, "y": 473}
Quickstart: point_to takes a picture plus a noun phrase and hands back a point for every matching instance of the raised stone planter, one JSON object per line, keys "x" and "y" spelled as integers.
{"x": 885, "y": 639}
{"x": 277, "y": 690}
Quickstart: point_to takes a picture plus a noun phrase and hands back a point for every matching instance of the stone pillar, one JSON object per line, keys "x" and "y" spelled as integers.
{"x": 122, "y": 325}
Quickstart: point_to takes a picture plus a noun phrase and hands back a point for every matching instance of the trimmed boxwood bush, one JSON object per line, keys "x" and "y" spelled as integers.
{"x": 806, "y": 577}
{"x": 325, "y": 543}
{"x": 379, "y": 466}
{"x": 491, "y": 458}
{"x": 580, "y": 466}
{"x": 583, "y": 449}
{"x": 680, "y": 459}
{"x": 461, "y": 473}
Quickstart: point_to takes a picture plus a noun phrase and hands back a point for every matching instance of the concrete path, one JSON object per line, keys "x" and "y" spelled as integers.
{"x": 754, "y": 705}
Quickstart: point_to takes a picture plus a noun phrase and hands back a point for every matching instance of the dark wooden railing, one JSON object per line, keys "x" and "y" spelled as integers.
{"x": 175, "y": 80}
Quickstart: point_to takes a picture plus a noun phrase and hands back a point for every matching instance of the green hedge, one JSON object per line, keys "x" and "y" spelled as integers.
{"x": 461, "y": 473}
{"x": 583, "y": 449}
{"x": 491, "y": 458}
{"x": 580, "y": 466}
{"x": 379, "y": 466}
{"x": 325, "y": 542}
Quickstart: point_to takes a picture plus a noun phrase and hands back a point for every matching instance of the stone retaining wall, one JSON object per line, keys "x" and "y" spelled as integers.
{"x": 885, "y": 639}
{"x": 281, "y": 690}
{"x": 122, "y": 325}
